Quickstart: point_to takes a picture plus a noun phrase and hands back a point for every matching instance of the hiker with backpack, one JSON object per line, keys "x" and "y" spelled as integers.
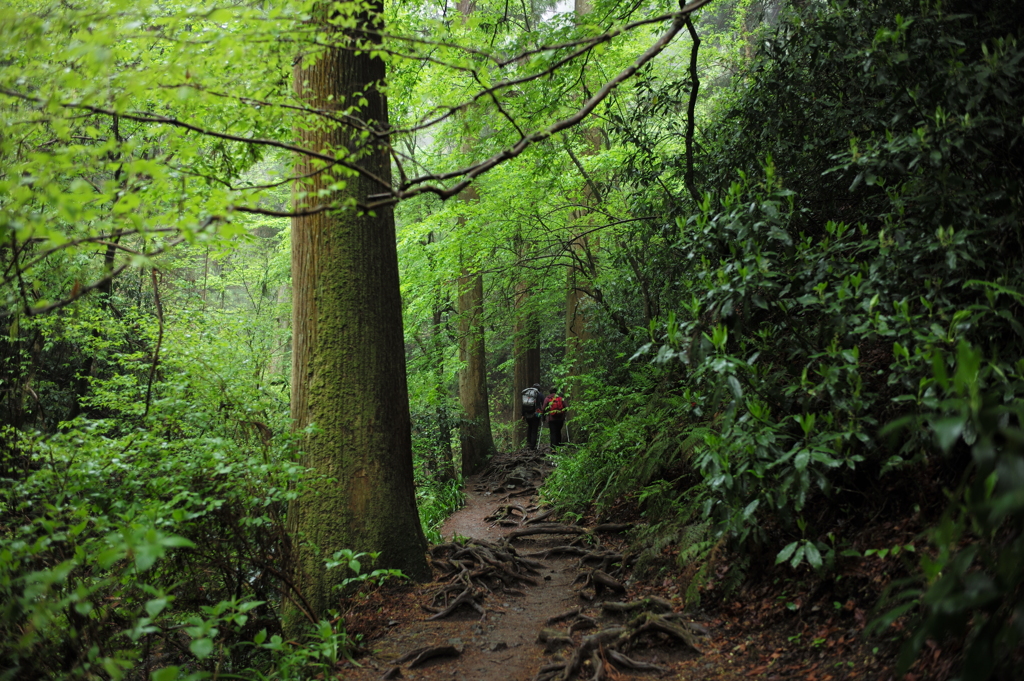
{"x": 531, "y": 400}
{"x": 554, "y": 412}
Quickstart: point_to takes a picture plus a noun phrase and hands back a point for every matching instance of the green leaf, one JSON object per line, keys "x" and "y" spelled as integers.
{"x": 165, "y": 674}
{"x": 801, "y": 460}
{"x": 155, "y": 607}
{"x": 798, "y": 556}
{"x": 174, "y": 541}
{"x": 785, "y": 553}
{"x": 147, "y": 554}
{"x": 201, "y": 647}
{"x": 947, "y": 431}
{"x": 813, "y": 555}
{"x": 735, "y": 387}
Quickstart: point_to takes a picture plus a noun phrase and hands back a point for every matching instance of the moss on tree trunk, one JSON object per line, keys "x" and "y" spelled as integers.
{"x": 348, "y": 361}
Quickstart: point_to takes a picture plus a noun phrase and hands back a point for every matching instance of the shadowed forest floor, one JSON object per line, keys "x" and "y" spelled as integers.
{"x": 548, "y": 625}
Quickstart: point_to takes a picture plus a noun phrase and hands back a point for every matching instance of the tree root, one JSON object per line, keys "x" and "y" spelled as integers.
{"x": 549, "y": 671}
{"x": 583, "y": 623}
{"x": 589, "y": 647}
{"x": 508, "y": 512}
{"x": 468, "y": 597}
{"x": 546, "y": 528}
{"x": 606, "y": 558}
{"x": 624, "y": 662}
{"x": 563, "y": 616}
{"x": 653, "y": 622}
{"x": 602, "y": 654}
{"x": 612, "y": 528}
{"x": 600, "y": 580}
{"x": 421, "y": 655}
{"x": 540, "y": 517}
{"x": 475, "y": 569}
{"x": 559, "y": 550}
{"x": 520, "y": 492}
{"x": 651, "y": 604}
{"x": 553, "y": 639}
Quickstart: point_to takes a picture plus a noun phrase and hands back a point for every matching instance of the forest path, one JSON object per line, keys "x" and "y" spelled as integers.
{"x": 503, "y": 644}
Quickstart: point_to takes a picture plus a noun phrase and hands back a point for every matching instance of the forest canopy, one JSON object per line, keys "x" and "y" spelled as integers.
{"x": 771, "y": 253}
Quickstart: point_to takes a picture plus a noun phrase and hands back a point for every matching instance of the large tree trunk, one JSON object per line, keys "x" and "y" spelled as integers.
{"x": 475, "y": 435}
{"x": 348, "y": 359}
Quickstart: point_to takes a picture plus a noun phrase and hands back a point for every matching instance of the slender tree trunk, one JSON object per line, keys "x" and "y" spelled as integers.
{"x": 445, "y": 460}
{"x": 526, "y": 353}
{"x": 280, "y": 354}
{"x": 583, "y": 270}
{"x": 348, "y": 359}
{"x": 579, "y": 281}
{"x": 475, "y": 431}
{"x": 445, "y": 464}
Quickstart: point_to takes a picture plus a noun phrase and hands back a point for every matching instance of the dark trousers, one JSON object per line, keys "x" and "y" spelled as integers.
{"x": 555, "y": 430}
{"x": 532, "y": 430}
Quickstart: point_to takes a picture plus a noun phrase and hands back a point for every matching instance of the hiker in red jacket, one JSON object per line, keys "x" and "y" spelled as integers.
{"x": 554, "y": 413}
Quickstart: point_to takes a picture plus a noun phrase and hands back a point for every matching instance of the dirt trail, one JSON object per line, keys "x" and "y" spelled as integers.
{"x": 502, "y": 644}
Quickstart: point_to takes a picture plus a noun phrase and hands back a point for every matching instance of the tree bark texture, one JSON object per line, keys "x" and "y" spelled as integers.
{"x": 348, "y": 359}
{"x": 475, "y": 431}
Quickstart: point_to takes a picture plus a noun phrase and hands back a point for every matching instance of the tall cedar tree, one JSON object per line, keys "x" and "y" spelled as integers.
{"x": 348, "y": 362}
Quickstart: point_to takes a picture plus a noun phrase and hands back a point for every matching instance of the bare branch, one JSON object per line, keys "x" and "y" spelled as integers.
{"x": 470, "y": 172}
{"x": 113, "y": 274}
{"x": 691, "y": 115}
{"x": 159, "y": 341}
{"x": 146, "y": 117}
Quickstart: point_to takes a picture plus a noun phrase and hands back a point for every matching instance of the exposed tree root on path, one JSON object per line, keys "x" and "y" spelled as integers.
{"x": 488, "y": 579}
{"x": 475, "y": 569}
{"x": 603, "y": 654}
{"x": 534, "y": 596}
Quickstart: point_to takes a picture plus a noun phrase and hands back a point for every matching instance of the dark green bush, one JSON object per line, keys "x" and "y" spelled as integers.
{"x": 886, "y": 224}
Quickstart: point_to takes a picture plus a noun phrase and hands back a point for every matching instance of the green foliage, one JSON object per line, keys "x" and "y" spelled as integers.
{"x": 634, "y": 437}
{"x": 972, "y": 578}
{"x": 676, "y": 529}
{"x": 151, "y": 542}
{"x": 801, "y": 330}
{"x": 115, "y": 541}
{"x": 640, "y": 446}
{"x": 873, "y": 230}
{"x": 354, "y": 562}
{"x": 137, "y": 538}
{"x": 436, "y": 500}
